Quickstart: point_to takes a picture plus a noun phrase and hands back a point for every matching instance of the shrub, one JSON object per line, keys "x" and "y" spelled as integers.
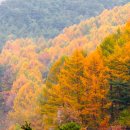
{"x": 70, "y": 126}
{"x": 124, "y": 118}
{"x": 26, "y": 126}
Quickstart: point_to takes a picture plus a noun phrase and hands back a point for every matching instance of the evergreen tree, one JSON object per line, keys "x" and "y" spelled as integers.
{"x": 26, "y": 126}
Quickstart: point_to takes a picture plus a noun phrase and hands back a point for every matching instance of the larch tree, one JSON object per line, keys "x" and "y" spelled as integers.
{"x": 94, "y": 99}
{"x": 64, "y": 99}
{"x": 27, "y": 86}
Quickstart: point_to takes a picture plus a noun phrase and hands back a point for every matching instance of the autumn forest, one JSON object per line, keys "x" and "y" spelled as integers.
{"x": 73, "y": 74}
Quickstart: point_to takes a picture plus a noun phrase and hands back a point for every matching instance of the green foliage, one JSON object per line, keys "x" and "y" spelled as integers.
{"x": 120, "y": 38}
{"x": 70, "y": 126}
{"x": 115, "y": 50}
{"x": 52, "y": 77}
{"x": 17, "y": 127}
{"x": 124, "y": 118}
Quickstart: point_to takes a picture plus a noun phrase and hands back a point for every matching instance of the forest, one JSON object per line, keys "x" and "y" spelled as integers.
{"x": 75, "y": 78}
{"x": 46, "y": 18}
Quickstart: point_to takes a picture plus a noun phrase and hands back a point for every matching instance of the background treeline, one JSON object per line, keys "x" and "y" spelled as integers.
{"x": 31, "y": 18}
{"x": 89, "y": 33}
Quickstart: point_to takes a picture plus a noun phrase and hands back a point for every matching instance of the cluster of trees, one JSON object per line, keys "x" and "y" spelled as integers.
{"x": 44, "y": 83}
{"x": 80, "y": 90}
{"x": 92, "y": 90}
{"x": 21, "y": 89}
{"x": 80, "y": 94}
{"x": 89, "y": 33}
{"x": 30, "y": 18}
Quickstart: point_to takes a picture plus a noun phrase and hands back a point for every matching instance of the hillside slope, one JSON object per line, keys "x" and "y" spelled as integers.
{"x": 30, "y": 18}
{"x": 24, "y": 61}
{"x": 88, "y": 34}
